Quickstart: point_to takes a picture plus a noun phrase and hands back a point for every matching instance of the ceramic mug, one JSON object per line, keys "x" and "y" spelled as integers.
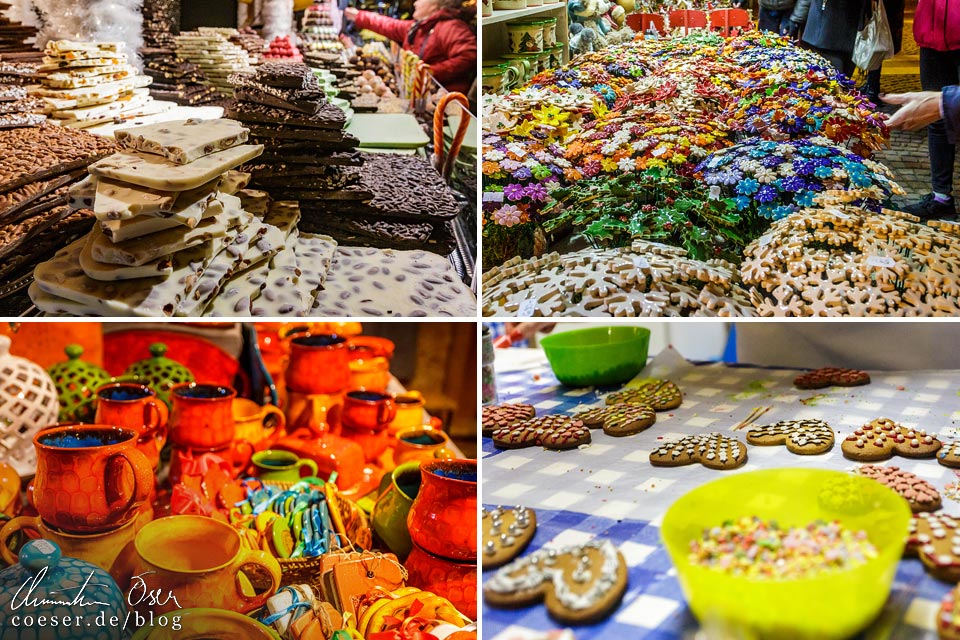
{"x": 282, "y": 466}
{"x": 202, "y": 416}
{"x": 410, "y": 414}
{"x": 443, "y": 518}
{"x": 257, "y": 424}
{"x": 398, "y": 489}
{"x": 90, "y": 478}
{"x": 368, "y": 410}
{"x": 200, "y": 561}
{"x": 318, "y": 364}
{"x": 101, "y": 549}
{"x": 135, "y": 406}
{"x": 421, "y": 445}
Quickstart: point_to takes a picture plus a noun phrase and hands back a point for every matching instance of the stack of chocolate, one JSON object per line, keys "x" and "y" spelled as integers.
{"x": 13, "y": 35}
{"x": 18, "y": 73}
{"x": 171, "y": 231}
{"x": 89, "y": 83}
{"x": 177, "y": 80}
{"x": 319, "y": 31}
{"x": 161, "y": 21}
{"x": 17, "y": 109}
{"x": 251, "y": 42}
{"x": 39, "y": 166}
{"x": 308, "y": 157}
{"x": 217, "y": 57}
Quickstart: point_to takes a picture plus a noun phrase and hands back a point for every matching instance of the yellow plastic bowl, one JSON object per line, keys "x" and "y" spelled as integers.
{"x": 598, "y": 355}
{"x": 837, "y": 605}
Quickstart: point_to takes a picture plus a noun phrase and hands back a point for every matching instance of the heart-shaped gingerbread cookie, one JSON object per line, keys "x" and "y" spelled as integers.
{"x": 503, "y": 415}
{"x": 936, "y": 540}
{"x": 920, "y": 494}
{"x": 551, "y": 432}
{"x": 660, "y": 395}
{"x": 579, "y": 584}
{"x": 882, "y": 438}
{"x": 619, "y": 419}
{"x": 712, "y": 450}
{"x": 831, "y": 377}
{"x": 803, "y": 437}
{"x": 506, "y": 533}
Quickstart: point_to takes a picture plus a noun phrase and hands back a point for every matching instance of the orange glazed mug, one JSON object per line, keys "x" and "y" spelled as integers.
{"x": 443, "y": 518}
{"x": 135, "y": 406}
{"x": 202, "y": 416}
{"x": 368, "y": 410}
{"x": 90, "y": 478}
{"x": 318, "y": 364}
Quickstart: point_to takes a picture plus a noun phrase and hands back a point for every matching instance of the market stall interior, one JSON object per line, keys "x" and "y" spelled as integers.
{"x": 685, "y": 163}
{"x": 306, "y": 481}
{"x": 720, "y": 479}
{"x": 233, "y": 170}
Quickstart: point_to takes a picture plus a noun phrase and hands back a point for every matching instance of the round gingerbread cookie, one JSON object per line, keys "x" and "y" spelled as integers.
{"x": 506, "y": 533}
{"x": 552, "y": 432}
{"x": 503, "y": 415}
{"x": 582, "y": 584}
{"x": 661, "y": 395}
{"x": 831, "y": 377}
{"x": 919, "y": 494}
{"x": 882, "y": 438}
{"x": 936, "y": 540}
{"x": 803, "y": 437}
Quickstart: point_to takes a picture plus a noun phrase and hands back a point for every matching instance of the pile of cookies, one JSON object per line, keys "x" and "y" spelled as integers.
{"x": 837, "y": 259}
{"x": 89, "y": 83}
{"x": 218, "y": 58}
{"x": 39, "y": 165}
{"x": 645, "y": 279}
{"x": 170, "y": 231}
{"x": 17, "y": 109}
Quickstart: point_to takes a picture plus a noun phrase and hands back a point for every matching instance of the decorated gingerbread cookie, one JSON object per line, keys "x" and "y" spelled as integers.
{"x": 580, "y": 584}
{"x": 948, "y": 619}
{"x": 660, "y": 395}
{"x": 551, "y": 432}
{"x": 949, "y": 455}
{"x": 882, "y": 438}
{"x": 920, "y": 494}
{"x": 712, "y": 450}
{"x": 803, "y": 437}
{"x": 831, "y": 377}
{"x": 936, "y": 540}
{"x": 506, "y": 533}
{"x": 503, "y": 415}
{"x": 619, "y": 419}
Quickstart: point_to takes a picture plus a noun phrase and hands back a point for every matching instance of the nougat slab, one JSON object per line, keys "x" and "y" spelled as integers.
{"x": 155, "y": 172}
{"x": 183, "y": 141}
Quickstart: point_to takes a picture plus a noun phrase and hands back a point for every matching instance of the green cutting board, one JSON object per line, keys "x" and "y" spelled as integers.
{"x": 387, "y": 131}
{"x": 470, "y": 141}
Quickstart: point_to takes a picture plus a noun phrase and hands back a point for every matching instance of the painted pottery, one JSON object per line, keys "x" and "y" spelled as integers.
{"x": 398, "y": 489}
{"x": 319, "y": 364}
{"x": 202, "y": 415}
{"x": 135, "y": 407}
{"x": 77, "y": 382}
{"x": 443, "y": 518}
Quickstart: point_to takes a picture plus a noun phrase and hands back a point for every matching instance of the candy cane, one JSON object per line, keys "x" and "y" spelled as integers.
{"x": 443, "y": 161}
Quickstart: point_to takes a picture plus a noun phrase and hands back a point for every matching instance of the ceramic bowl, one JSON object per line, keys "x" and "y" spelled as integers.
{"x": 598, "y": 355}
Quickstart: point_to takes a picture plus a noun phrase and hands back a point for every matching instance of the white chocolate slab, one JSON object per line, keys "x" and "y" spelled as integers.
{"x": 234, "y": 181}
{"x": 76, "y": 81}
{"x": 183, "y": 141}
{"x": 121, "y": 230}
{"x": 314, "y": 255}
{"x": 238, "y": 293}
{"x": 159, "y": 173}
{"x": 255, "y": 201}
{"x": 284, "y": 214}
{"x": 281, "y": 296}
{"x": 82, "y": 193}
{"x": 121, "y": 201}
{"x": 63, "y": 46}
{"x": 160, "y": 268}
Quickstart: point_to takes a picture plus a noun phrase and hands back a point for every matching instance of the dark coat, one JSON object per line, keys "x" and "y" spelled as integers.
{"x": 951, "y": 112}
{"x": 832, "y": 24}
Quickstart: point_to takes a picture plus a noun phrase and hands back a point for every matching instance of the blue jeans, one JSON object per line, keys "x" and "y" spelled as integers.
{"x": 777, "y": 21}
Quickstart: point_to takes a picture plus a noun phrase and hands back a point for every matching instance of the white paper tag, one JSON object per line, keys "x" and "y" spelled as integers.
{"x": 766, "y": 239}
{"x": 659, "y": 151}
{"x": 714, "y": 193}
{"x": 527, "y": 308}
{"x": 493, "y": 196}
{"x": 839, "y": 214}
{"x": 639, "y": 262}
{"x": 881, "y": 261}
{"x": 516, "y": 149}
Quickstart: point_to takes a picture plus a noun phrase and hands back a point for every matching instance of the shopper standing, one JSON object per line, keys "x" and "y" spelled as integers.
{"x": 775, "y": 17}
{"x": 894, "y": 10}
{"x": 936, "y": 28}
{"x": 830, "y": 28}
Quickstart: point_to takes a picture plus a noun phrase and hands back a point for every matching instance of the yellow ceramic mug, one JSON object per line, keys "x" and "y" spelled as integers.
{"x": 257, "y": 424}
{"x": 410, "y": 413}
{"x": 421, "y": 444}
{"x": 184, "y": 561}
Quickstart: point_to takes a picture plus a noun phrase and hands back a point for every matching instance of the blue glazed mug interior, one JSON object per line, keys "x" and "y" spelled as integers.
{"x": 124, "y": 393}
{"x": 368, "y": 396}
{"x": 83, "y": 439}
{"x": 319, "y": 340}
{"x": 204, "y": 391}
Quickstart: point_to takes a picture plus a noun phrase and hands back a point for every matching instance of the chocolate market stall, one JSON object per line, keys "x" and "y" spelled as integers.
{"x": 681, "y": 176}
{"x": 628, "y": 493}
{"x": 273, "y": 479}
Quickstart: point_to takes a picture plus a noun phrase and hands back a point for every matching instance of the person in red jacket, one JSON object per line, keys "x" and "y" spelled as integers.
{"x": 436, "y": 34}
{"x": 936, "y": 28}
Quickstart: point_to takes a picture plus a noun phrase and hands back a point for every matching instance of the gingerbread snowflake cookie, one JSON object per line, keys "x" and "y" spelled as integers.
{"x": 831, "y": 377}
{"x": 936, "y": 540}
{"x": 882, "y": 438}
{"x": 580, "y": 584}
{"x": 506, "y": 533}
{"x": 551, "y": 432}
{"x": 619, "y": 419}
{"x": 919, "y": 494}
{"x": 660, "y": 395}
{"x": 503, "y": 415}
{"x": 712, "y": 450}
{"x": 803, "y": 437}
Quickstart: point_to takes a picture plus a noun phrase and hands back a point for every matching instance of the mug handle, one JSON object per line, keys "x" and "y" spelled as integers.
{"x": 308, "y": 463}
{"x": 281, "y": 420}
{"x": 386, "y": 411}
{"x": 239, "y": 464}
{"x": 155, "y": 421}
{"x": 143, "y": 479}
{"x": 20, "y": 523}
{"x": 265, "y": 561}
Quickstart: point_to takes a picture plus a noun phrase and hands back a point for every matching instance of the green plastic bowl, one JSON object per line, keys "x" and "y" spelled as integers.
{"x": 597, "y": 356}
{"x": 837, "y": 605}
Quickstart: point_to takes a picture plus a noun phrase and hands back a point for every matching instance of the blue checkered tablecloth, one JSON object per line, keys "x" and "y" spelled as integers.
{"x": 609, "y": 490}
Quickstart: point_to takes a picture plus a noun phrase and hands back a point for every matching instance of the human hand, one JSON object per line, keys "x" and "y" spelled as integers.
{"x": 918, "y": 109}
{"x": 794, "y": 31}
{"x": 350, "y": 13}
{"x": 528, "y": 330}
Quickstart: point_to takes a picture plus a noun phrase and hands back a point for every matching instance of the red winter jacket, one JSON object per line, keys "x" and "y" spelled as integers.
{"x": 936, "y": 24}
{"x": 443, "y": 41}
